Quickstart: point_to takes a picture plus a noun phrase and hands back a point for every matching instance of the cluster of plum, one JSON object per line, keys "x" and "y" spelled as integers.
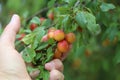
{"x": 64, "y": 41}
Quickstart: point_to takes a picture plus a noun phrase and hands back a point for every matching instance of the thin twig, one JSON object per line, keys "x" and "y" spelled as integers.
{"x": 41, "y": 11}
{"x": 36, "y": 14}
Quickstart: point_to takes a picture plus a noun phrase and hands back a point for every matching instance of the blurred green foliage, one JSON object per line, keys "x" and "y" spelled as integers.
{"x": 92, "y": 58}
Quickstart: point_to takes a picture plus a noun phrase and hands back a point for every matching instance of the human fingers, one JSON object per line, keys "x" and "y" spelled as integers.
{"x": 56, "y": 75}
{"x": 34, "y": 74}
{"x": 9, "y": 33}
{"x": 54, "y": 64}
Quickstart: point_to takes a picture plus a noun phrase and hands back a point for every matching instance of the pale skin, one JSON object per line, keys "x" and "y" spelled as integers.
{"x": 12, "y": 66}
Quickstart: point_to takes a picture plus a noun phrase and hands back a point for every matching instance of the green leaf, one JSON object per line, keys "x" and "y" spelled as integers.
{"x": 106, "y": 7}
{"x": 91, "y": 24}
{"x": 63, "y": 10}
{"x": 51, "y": 41}
{"x": 46, "y": 23}
{"x": 28, "y": 39}
{"x": 38, "y": 56}
{"x": 49, "y": 54}
{"x": 110, "y": 33}
{"x": 81, "y": 19}
{"x": 87, "y": 20}
{"x": 35, "y": 20}
{"x": 27, "y": 31}
{"x": 42, "y": 46}
{"x": 40, "y": 32}
{"x": 28, "y": 54}
{"x": 46, "y": 75}
{"x": 66, "y": 23}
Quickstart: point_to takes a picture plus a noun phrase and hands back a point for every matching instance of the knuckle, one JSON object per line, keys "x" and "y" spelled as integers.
{"x": 58, "y": 64}
{"x": 56, "y": 75}
{"x": 34, "y": 74}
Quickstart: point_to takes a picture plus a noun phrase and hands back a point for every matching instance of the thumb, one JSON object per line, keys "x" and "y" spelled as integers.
{"x": 9, "y": 34}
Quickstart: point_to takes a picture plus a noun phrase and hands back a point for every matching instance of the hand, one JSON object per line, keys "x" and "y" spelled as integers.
{"x": 12, "y": 66}
{"x": 55, "y": 67}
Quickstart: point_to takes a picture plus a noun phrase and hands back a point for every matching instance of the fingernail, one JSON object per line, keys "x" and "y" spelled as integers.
{"x": 13, "y": 18}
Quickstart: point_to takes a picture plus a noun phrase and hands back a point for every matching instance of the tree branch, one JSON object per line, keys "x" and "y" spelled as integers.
{"x": 36, "y": 14}
{"x": 41, "y": 11}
